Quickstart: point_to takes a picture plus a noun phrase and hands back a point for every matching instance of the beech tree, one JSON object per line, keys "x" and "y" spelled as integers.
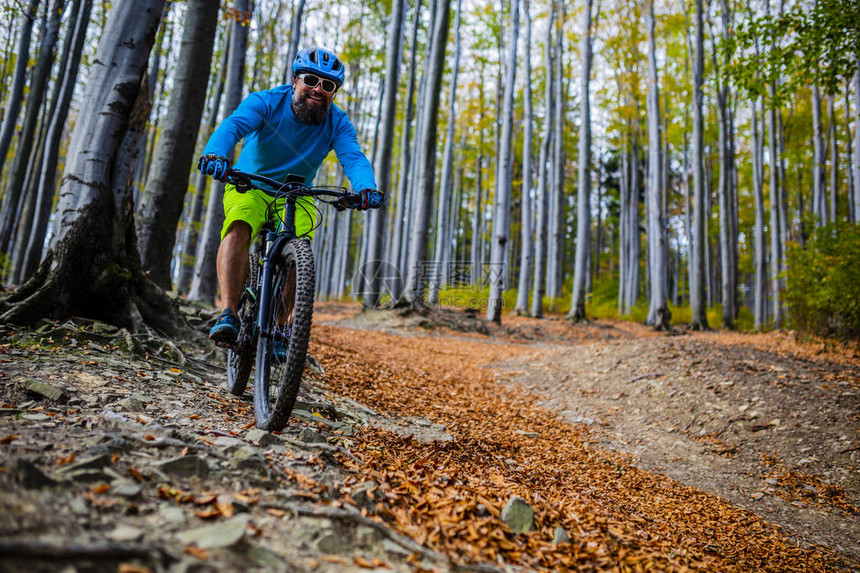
{"x": 502, "y": 203}
{"x": 377, "y": 219}
{"x": 162, "y": 200}
{"x": 583, "y": 219}
{"x": 396, "y": 247}
{"x": 47, "y": 174}
{"x": 542, "y": 221}
{"x": 527, "y": 237}
{"x": 16, "y": 92}
{"x": 203, "y": 286}
{"x": 659, "y": 315}
{"x": 416, "y": 276}
{"x": 699, "y": 270}
{"x": 93, "y": 267}
{"x": 38, "y": 86}
{"x": 445, "y": 195}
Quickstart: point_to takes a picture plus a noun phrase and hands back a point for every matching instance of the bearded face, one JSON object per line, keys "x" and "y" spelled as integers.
{"x": 311, "y": 105}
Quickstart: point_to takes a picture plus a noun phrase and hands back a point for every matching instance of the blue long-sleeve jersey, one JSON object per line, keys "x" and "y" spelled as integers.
{"x": 277, "y": 144}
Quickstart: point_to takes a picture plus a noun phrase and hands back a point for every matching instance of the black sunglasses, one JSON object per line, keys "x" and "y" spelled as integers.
{"x": 311, "y": 81}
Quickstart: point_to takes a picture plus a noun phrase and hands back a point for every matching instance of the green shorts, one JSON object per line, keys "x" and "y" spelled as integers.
{"x": 252, "y": 207}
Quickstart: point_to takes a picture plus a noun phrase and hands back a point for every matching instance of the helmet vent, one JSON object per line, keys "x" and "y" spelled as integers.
{"x": 313, "y": 56}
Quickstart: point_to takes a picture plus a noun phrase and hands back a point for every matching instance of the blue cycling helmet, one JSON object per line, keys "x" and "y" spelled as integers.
{"x": 321, "y": 62}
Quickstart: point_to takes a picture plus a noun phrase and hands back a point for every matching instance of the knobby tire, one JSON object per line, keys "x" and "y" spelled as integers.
{"x": 276, "y": 382}
{"x": 240, "y": 358}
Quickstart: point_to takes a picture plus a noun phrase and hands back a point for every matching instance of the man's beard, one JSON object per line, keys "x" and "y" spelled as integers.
{"x": 309, "y": 114}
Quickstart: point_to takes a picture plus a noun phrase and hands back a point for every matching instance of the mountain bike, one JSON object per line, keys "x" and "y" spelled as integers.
{"x": 277, "y": 303}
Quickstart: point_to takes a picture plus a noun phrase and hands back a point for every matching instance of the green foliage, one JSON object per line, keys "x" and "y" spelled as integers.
{"x": 808, "y": 44}
{"x": 823, "y": 282}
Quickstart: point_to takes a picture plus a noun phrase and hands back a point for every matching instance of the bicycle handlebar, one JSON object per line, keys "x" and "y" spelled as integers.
{"x": 293, "y": 189}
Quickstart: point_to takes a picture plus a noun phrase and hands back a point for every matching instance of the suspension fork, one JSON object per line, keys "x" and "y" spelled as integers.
{"x": 273, "y": 244}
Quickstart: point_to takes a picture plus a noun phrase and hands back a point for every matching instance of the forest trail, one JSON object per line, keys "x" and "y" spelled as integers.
{"x": 709, "y": 451}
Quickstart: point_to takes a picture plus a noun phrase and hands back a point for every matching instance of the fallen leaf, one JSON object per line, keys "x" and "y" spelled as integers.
{"x": 101, "y": 488}
{"x": 197, "y": 552}
{"x": 276, "y": 512}
{"x": 149, "y": 438}
{"x": 132, "y": 568}
{"x": 67, "y": 460}
{"x": 206, "y": 498}
{"x": 208, "y": 513}
{"x": 135, "y": 473}
{"x": 226, "y": 508}
{"x": 9, "y": 438}
{"x": 194, "y": 416}
{"x": 334, "y": 559}
{"x": 364, "y": 563}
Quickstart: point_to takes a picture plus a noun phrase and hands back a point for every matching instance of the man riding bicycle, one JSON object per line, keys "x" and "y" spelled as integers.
{"x": 288, "y": 131}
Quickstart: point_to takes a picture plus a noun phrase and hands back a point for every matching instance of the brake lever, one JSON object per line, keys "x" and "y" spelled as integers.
{"x": 241, "y": 181}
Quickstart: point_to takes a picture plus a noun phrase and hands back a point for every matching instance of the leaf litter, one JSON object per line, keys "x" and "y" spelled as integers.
{"x": 449, "y": 495}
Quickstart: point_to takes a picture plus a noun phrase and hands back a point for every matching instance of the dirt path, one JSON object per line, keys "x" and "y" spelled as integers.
{"x": 770, "y": 432}
{"x": 404, "y": 452}
{"x": 758, "y": 421}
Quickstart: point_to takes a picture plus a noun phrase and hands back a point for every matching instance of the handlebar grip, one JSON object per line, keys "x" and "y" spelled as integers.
{"x": 351, "y": 201}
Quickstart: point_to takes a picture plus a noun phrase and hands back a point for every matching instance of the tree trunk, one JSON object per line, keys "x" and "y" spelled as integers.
{"x": 857, "y": 142}
{"x": 93, "y": 267}
{"x": 583, "y": 219}
{"x": 38, "y": 85}
{"x": 163, "y": 198}
{"x": 203, "y": 286}
{"x": 659, "y": 315}
{"x": 502, "y": 207}
{"x": 445, "y": 184}
{"x": 634, "y": 246}
{"x": 191, "y": 236}
{"x": 415, "y": 282}
{"x": 16, "y": 92}
{"x": 697, "y": 295}
{"x": 48, "y": 171}
{"x": 819, "y": 200}
{"x": 834, "y": 160}
{"x": 848, "y": 152}
{"x": 760, "y": 310}
{"x": 382, "y": 167}
{"x": 727, "y": 202}
{"x": 406, "y": 159}
{"x": 527, "y": 247}
{"x": 27, "y": 223}
{"x": 557, "y": 198}
{"x": 295, "y": 37}
{"x": 140, "y": 170}
{"x": 542, "y": 200}
{"x": 775, "y": 200}
{"x": 477, "y": 217}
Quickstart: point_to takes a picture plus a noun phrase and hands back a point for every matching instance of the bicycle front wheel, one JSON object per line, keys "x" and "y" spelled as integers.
{"x": 282, "y": 344}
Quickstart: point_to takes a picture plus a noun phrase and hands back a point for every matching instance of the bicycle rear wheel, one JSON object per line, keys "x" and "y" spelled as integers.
{"x": 287, "y": 324}
{"x": 240, "y": 358}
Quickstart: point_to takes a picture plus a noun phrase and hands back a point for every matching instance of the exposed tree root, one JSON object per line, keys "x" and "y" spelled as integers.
{"x": 407, "y": 543}
{"x": 41, "y": 551}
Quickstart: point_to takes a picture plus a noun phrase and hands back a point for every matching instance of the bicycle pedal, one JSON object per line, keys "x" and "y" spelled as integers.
{"x": 225, "y": 345}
